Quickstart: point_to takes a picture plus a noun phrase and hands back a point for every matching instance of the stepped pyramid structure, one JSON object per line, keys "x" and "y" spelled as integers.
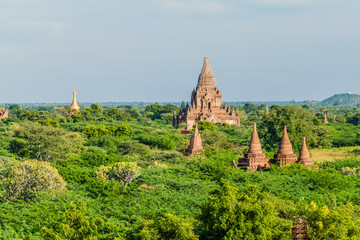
{"x": 195, "y": 147}
{"x": 304, "y": 156}
{"x": 255, "y": 158}
{"x": 285, "y": 155}
{"x": 206, "y": 102}
{"x": 325, "y": 119}
{"x": 74, "y": 106}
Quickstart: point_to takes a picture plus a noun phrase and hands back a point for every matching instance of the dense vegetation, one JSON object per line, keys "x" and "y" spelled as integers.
{"x": 122, "y": 173}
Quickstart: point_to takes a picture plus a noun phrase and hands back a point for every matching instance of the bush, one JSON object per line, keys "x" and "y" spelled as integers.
{"x": 123, "y": 172}
{"x": 170, "y": 157}
{"x": 48, "y": 122}
{"x": 132, "y": 147}
{"x": 205, "y": 125}
{"x": 45, "y": 143}
{"x": 30, "y": 177}
{"x": 160, "y": 140}
{"x": 121, "y": 130}
{"x": 76, "y": 225}
{"x": 249, "y": 215}
{"x": 167, "y": 226}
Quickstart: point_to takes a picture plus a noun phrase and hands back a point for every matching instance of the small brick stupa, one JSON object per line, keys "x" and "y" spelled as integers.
{"x": 267, "y": 111}
{"x": 285, "y": 155}
{"x": 4, "y": 113}
{"x": 325, "y": 119}
{"x": 74, "y": 106}
{"x": 304, "y": 156}
{"x": 195, "y": 147}
{"x": 255, "y": 158}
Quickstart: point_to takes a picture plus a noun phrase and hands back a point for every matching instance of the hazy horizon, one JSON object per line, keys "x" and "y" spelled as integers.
{"x": 152, "y": 51}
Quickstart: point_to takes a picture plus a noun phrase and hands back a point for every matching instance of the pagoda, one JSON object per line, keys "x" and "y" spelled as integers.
{"x": 304, "y": 156}
{"x": 195, "y": 147}
{"x": 325, "y": 119}
{"x": 74, "y": 106}
{"x": 206, "y": 103}
{"x": 255, "y": 158}
{"x": 266, "y": 112}
{"x": 285, "y": 155}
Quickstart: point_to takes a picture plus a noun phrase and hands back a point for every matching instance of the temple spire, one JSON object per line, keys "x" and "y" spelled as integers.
{"x": 325, "y": 119}
{"x": 74, "y": 106}
{"x": 255, "y": 145}
{"x": 195, "y": 146}
{"x": 304, "y": 152}
{"x": 266, "y": 111}
{"x": 285, "y": 146}
{"x": 254, "y": 159}
{"x": 304, "y": 156}
{"x": 207, "y": 77}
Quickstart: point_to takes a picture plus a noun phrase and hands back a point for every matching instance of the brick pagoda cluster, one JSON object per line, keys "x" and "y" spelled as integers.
{"x": 206, "y": 103}
{"x": 255, "y": 158}
{"x": 4, "y": 113}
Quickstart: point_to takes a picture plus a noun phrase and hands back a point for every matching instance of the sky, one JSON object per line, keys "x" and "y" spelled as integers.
{"x": 153, "y": 50}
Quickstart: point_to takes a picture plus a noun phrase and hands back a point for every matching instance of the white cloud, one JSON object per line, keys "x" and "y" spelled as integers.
{"x": 55, "y": 28}
{"x": 208, "y": 6}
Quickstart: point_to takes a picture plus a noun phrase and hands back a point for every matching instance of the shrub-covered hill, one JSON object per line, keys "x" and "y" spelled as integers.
{"x": 342, "y": 99}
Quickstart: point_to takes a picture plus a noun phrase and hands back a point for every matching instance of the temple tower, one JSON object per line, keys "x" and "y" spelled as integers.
{"x": 285, "y": 155}
{"x": 195, "y": 147}
{"x": 325, "y": 119}
{"x": 74, "y": 106}
{"x": 255, "y": 158}
{"x": 206, "y": 102}
{"x": 304, "y": 156}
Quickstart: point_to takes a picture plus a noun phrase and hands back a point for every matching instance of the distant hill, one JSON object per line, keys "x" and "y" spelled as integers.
{"x": 342, "y": 99}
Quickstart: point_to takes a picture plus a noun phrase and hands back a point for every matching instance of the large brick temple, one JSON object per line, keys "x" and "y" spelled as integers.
{"x": 206, "y": 103}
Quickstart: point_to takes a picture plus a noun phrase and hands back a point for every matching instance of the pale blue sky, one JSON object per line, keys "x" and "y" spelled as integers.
{"x": 152, "y": 50}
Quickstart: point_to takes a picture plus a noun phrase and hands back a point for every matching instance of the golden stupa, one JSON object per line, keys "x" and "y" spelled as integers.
{"x": 74, "y": 106}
